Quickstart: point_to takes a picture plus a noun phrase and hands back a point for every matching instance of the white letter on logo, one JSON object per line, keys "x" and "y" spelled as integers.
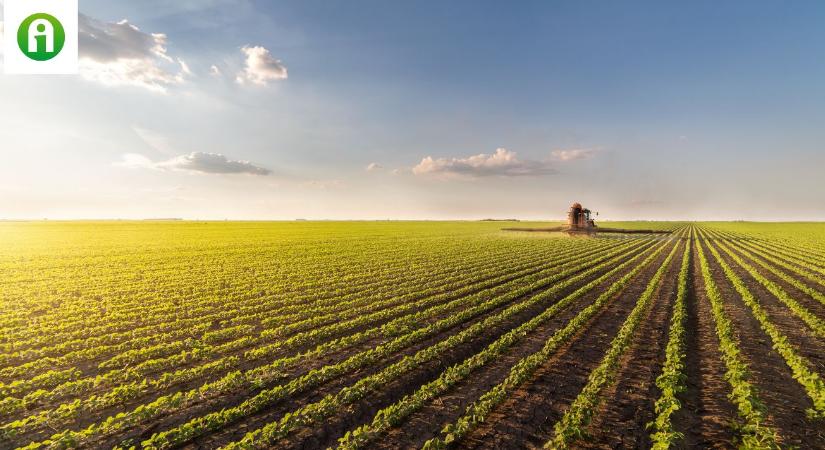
{"x": 42, "y": 27}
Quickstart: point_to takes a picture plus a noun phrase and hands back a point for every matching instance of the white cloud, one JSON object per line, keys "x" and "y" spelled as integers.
{"x": 135, "y": 161}
{"x": 215, "y": 71}
{"x": 503, "y": 163}
{"x": 200, "y": 162}
{"x": 120, "y": 54}
{"x": 374, "y": 167}
{"x": 573, "y": 154}
{"x": 260, "y": 67}
{"x": 184, "y": 68}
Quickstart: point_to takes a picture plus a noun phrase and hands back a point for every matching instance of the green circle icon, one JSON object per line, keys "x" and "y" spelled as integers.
{"x": 41, "y": 37}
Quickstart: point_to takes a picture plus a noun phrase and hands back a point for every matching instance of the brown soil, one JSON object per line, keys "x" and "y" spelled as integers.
{"x": 784, "y": 398}
{"x": 224, "y": 400}
{"x": 799, "y": 335}
{"x": 428, "y": 421}
{"x": 527, "y": 417}
{"x": 706, "y": 417}
{"x": 236, "y": 431}
{"x": 628, "y": 405}
{"x": 90, "y": 368}
{"x": 800, "y": 296}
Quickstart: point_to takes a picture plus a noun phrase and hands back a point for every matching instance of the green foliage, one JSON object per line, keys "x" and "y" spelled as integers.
{"x": 116, "y": 325}
{"x": 671, "y": 382}
{"x": 578, "y": 415}
{"x": 754, "y": 433}
{"x": 478, "y": 411}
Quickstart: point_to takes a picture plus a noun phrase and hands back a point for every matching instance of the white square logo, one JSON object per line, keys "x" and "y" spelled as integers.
{"x": 40, "y": 36}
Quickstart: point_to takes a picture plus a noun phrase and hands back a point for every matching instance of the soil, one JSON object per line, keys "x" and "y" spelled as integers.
{"x": 784, "y": 398}
{"x": 628, "y": 405}
{"x": 526, "y": 417}
{"x": 355, "y": 415}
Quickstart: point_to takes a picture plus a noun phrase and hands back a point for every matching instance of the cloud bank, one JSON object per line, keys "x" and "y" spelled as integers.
{"x": 573, "y": 154}
{"x": 260, "y": 67}
{"x": 198, "y": 162}
{"x": 121, "y": 54}
{"x": 503, "y": 163}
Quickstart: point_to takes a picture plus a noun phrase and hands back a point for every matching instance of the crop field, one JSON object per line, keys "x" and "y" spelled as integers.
{"x": 384, "y": 335}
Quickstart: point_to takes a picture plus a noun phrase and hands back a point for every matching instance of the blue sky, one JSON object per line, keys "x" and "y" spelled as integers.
{"x": 372, "y": 109}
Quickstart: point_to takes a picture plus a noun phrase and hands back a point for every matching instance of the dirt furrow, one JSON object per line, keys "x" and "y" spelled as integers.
{"x": 222, "y": 401}
{"x": 361, "y": 412}
{"x": 799, "y": 335}
{"x": 785, "y": 399}
{"x": 428, "y": 421}
{"x": 629, "y": 404}
{"x": 797, "y": 294}
{"x": 527, "y": 417}
{"x": 706, "y": 417}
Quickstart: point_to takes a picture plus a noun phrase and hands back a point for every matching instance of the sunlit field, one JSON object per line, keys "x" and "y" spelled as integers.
{"x": 161, "y": 334}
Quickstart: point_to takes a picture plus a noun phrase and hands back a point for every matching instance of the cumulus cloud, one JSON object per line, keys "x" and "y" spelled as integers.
{"x": 373, "y": 167}
{"x": 503, "y": 163}
{"x": 260, "y": 67}
{"x": 200, "y": 162}
{"x": 121, "y": 54}
{"x": 215, "y": 71}
{"x": 573, "y": 154}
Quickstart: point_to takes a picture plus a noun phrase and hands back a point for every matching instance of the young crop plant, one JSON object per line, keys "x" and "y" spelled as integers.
{"x": 257, "y": 377}
{"x": 671, "y": 382}
{"x": 572, "y": 425}
{"x": 312, "y": 413}
{"x": 261, "y": 374}
{"x": 479, "y": 410}
{"x": 800, "y": 367}
{"x": 365, "y": 335}
{"x": 754, "y": 433}
{"x": 816, "y": 324}
{"x": 395, "y": 413}
{"x": 813, "y": 293}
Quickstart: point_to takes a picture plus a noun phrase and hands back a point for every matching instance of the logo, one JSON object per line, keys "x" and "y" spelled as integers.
{"x": 40, "y": 36}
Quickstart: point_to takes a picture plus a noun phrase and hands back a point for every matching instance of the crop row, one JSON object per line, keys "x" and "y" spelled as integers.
{"x": 571, "y": 426}
{"x": 478, "y": 411}
{"x": 266, "y": 318}
{"x": 137, "y": 305}
{"x": 316, "y": 334}
{"x": 209, "y": 308}
{"x": 313, "y": 413}
{"x": 748, "y": 251}
{"x": 229, "y": 383}
{"x": 812, "y": 321}
{"x": 800, "y": 367}
{"x": 671, "y": 382}
{"x": 755, "y": 434}
{"x": 397, "y": 412}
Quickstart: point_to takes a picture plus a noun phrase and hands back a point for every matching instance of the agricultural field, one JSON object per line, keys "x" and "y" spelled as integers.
{"x": 383, "y": 335}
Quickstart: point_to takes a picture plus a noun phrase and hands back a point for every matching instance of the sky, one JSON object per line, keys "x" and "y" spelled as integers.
{"x": 236, "y": 109}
